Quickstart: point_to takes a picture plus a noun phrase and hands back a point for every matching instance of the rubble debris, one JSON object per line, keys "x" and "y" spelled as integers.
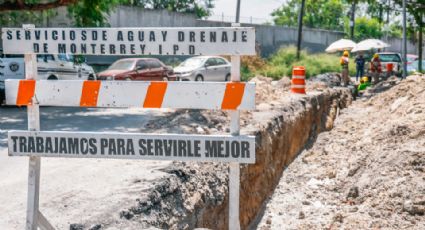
{"x": 377, "y": 150}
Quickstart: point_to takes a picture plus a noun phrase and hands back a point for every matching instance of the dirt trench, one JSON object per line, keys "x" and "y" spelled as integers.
{"x": 194, "y": 195}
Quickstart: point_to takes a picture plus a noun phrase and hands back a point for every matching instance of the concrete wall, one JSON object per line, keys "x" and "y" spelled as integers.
{"x": 397, "y": 46}
{"x": 269, "y": 38}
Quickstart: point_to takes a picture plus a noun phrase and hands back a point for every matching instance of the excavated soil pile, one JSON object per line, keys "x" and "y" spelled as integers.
{"x": 366, "y": 173}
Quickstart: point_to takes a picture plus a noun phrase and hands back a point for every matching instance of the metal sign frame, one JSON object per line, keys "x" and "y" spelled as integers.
{"x": 35, "y": 219}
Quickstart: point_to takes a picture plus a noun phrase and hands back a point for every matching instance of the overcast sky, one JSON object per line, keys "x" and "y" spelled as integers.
{"x": 249, "y": 8}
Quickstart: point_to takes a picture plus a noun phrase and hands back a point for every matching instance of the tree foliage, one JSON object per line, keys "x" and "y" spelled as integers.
{"x": 365, "y": 28}
{"x": 92, "y": 12}
{"x": 325, "y": 14}
{"x": 33, "y": 5}
{"x": 200, "y": 8}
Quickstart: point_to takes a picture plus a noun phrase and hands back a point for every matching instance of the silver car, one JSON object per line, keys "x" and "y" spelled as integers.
{"x": 204, "y": 68}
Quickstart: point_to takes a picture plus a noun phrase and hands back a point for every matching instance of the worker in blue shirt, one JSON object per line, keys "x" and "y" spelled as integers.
{"x": 360, "y": 61}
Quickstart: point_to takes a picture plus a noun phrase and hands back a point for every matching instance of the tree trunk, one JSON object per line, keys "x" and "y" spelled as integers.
{"x": 352, "y": 20}
{"x": 420, "y": 46}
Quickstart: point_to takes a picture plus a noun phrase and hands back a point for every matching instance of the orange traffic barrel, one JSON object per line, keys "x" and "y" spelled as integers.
{"x": 298, "y": 80}
{"x": 390, "y": 67}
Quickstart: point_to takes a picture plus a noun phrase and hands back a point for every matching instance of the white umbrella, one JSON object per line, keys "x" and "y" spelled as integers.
{"x": 369, "y": 44}
{"x": 340, "y": 45}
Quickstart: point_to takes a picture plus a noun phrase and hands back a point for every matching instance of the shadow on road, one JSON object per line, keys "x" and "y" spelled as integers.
{"x": 75, "y": 119}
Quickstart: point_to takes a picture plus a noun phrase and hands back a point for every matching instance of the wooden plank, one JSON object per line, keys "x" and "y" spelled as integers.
{"x": 43, "y": 223}
{"x": 179, "y": 147}
{"x": 34, "y": 161}
{"x": 234, "y": 170}
{"x": 124, "y": 94}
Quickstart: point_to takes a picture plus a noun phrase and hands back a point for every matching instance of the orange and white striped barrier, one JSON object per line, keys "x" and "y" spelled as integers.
{"x": 298, "y": 80}
{"x": 31, "y": 92}
{"x": 177, "y": 95}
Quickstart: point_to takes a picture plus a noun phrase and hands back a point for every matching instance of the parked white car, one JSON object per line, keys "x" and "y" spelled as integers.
{"x": 51, "y": 67}
{"x": 63, "y": 67}
{"x": 203, "y": 68}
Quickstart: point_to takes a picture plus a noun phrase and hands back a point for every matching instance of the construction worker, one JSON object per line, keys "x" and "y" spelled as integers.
{"x": 344, "y": 64}
{"x": 359, "y": 66}
{"x": 375, "y": 68}
{"x": 364, "y": 83}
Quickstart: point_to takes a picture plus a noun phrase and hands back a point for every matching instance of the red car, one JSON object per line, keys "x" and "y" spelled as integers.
{"x": 138, "y": 69}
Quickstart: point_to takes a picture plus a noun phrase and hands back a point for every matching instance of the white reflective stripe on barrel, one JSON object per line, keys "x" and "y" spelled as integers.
{"x": 298, "y": 86}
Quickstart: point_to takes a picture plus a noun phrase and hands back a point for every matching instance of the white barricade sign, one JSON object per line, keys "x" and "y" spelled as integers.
{"x": 178, "y": 147}
{"x": 131, "y": 41}
{"x": 232, "y": 96}
{"x": 177, "y": 95}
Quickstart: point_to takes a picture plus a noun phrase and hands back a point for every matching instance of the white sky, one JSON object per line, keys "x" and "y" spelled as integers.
{"x": 249, "y": 8}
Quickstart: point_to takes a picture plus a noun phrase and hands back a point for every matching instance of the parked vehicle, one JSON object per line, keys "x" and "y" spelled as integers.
{"x": 394, "y": 58}
{"x": 140, "y": 69}
{"x": 50, "y": 67}
{"x": 414, "y": 67}
{"x": 411, "y": 58}
{"x": 204, "y": 68}
{"x": 63, "y": 67}
{"x": 12, "y": 67}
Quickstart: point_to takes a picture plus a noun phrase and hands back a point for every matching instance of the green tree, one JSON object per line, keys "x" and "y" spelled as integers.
{"x": 416, "y": 8}
{"x": 325, "y": 14}
{"x": 200, "y": 8}
{"x": 92, "y": 12}
{"x": 365, "y": 28}
{"x": 84, "y": 12}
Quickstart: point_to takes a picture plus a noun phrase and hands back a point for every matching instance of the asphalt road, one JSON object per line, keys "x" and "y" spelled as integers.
{"x": 74, "y": 190}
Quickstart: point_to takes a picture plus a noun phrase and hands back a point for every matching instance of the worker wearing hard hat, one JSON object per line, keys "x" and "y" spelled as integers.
{"x": 375, "y": 68}
{"x": 364, "y": 83}
{"x": 344, "y": 64}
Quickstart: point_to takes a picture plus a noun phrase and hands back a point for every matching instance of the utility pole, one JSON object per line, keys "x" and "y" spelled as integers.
{"x": 300, "y": 28}
{"x": 404, "y": 49}
{"x": 238, "y": 9}
{"x": 421, "y": 24}
{"x": 352, "y": 20}
{"x": 388, "y": 11}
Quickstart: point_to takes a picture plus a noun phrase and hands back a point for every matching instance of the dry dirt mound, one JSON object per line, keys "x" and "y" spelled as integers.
{"x": 366, "y": 173}
{"x": 269, "y": 95}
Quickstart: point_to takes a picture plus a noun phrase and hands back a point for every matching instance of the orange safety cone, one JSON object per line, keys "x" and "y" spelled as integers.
{"x": 298, "y": 80}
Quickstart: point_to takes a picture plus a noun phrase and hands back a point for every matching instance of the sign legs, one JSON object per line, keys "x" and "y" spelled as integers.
{"x": 33, "y": 193}
{"x": 234, "y": 170}
{"x": 34, "y": 217}
{"x": 234, "y": 196}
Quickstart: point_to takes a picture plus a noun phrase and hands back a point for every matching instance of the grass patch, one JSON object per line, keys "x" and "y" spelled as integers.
{"x": 280, "y": 64}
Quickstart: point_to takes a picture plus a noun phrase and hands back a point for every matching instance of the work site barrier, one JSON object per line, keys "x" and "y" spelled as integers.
{"x": 298, "y": 80}
{"x": 176, "y": 95}
{"x": 232, "y": 96}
